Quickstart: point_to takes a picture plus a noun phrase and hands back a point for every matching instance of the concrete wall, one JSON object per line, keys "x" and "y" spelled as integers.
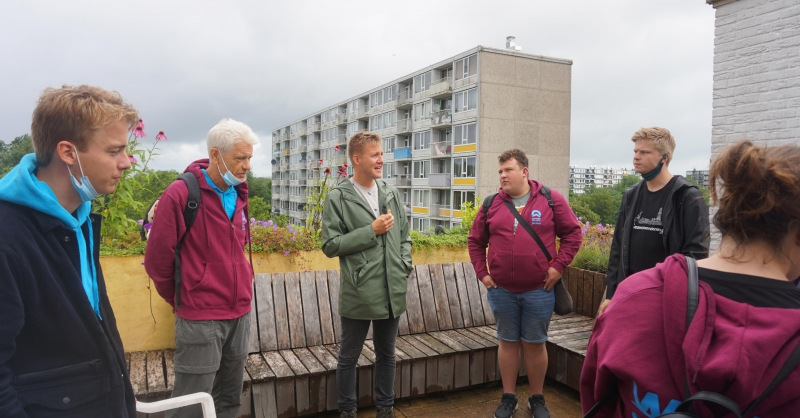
{"x": 146, "y": 321}
{"x": 524, "y": 103}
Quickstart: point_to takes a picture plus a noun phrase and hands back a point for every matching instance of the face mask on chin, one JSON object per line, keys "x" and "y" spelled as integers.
{"x": 228, "y": 177}
{"x": 652, "y": 174}
{"x": 84, "y": 187}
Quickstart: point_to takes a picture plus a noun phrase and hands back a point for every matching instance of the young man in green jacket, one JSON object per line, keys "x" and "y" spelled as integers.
{"x": 358, "y": 226}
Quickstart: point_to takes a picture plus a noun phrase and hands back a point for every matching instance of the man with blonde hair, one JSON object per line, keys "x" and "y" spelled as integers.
{"x": 660, "y": 216}
{"x": 60, "y": 352}
{"x": 364, "y": 224}
{"x": 211, "y": 295}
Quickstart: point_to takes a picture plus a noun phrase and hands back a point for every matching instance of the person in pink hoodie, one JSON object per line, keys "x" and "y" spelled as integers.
{"x": 747, "y": 321}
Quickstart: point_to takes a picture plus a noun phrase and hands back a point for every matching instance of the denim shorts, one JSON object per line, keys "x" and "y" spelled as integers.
{"x": 522, "y": 316}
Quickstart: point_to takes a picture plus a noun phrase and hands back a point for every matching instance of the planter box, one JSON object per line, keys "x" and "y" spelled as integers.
{"x": 587, "y": 288}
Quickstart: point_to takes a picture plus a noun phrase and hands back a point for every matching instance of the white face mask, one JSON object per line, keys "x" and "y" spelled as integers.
{"x": 84, "y": 187}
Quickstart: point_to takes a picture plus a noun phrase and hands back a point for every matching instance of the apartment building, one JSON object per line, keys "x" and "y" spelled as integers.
{"x": 700, "y": 176}
{"x": 443, "y": 128}
{"x": 581, "y": 178}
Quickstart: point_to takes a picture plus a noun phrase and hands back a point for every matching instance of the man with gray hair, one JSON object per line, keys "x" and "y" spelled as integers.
{"x": 211, "y": 298}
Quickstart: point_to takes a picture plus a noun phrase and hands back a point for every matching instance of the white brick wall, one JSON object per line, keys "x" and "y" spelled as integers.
{"x": 756, "y": 74}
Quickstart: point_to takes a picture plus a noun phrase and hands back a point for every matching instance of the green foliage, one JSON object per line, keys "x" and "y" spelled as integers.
{"x": 259, "y": 186}
{"x": 582, "y": 211}
{"x": 454, "y": 238}
{"x": 468, "y": 212}
{"x": 324, "y": 182}
{"x": 601, "y": 204}
{"x": 258, "y": 208}
{"x": 595, "y": 249}
{"x": 11, "y": 153}
{"x": 706, "y": 193}
{"x": 270, "y": 238}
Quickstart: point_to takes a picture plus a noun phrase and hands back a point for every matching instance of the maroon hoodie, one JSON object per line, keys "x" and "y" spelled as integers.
{"x": 216, "y": 279}
{"x": 515, "y": 260}
{"x": 731, "y": 348}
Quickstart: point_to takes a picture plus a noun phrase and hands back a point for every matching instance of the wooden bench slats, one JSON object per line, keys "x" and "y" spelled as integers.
{"x": 293, "y": 362}
{"x": 462, "y": 356}
{"x": 462, "y": 340}
{"x": 301, "y": 381}
{"x": 434, "y": 344}
{"x": 440, "y": 298}
{"x": 416, "y": 324}
{"x": 309, "y": 361}
{"x": 324, "y": 305}
{"x": 333, "y": 291}
{"x": 588, "y": 293}
{"x": 426, "y": 351}
{"x": 278, "y": 365}
{"x": 257, "y": 368}
{"x": 297, "y": 329}
{"x": 324, "y": 357}
{"x": 281, "y": 314}
{"x": 311, "y": 317}
{"x": 449, "y": 279}
{"x": 368, "y": 351}
{"x": 599, "y": 292}
{"x": 255, "y": 345}
{"x": 426, "y": 298}
{"x": 266, "y": 313}
{"x": 156, "y": 383}
{"x": 412, "y": 352}
{"x": 451, "y": 343}
{"x": 402, "y": 325}
{"x": 476, "y": 307}
{"x": 463, "y": 294}
{"x": 487, "y": 310}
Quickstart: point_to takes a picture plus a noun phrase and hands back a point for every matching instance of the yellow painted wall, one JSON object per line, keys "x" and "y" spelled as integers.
{"x": 132, "y": 294}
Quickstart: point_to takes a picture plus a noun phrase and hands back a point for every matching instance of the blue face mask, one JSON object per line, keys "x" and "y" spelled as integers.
{"x": 652, "y": 174}
{"x": 84, "y": 188}
{"x": 229, "y": 178}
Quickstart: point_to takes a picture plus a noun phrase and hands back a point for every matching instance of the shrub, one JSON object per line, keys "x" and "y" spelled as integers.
{"x": 595, "y": 249}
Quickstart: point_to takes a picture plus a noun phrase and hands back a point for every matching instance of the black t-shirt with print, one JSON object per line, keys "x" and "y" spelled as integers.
{"x": 647, "y": 244}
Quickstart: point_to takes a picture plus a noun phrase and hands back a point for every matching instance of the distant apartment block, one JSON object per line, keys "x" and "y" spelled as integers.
{"x": 700, "y": 176}
{"x": 443, "y": 128}
{"x": 581, "y": 178}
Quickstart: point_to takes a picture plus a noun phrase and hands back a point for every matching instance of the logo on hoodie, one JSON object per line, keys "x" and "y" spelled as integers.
{"x": 244, "y": 221}
{"x": 536, "y": 217}
{"x": 650, "y": 406}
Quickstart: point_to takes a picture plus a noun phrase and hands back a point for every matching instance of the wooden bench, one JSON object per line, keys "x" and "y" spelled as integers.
{"x": 446, "y": 341}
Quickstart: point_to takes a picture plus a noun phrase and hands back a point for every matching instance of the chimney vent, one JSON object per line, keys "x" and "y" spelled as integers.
{"x": 511, "y": 44}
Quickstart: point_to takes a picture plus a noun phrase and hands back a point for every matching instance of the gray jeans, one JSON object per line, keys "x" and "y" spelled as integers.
{"x": 354, "y": 332}
{"x": 209, "y": 358}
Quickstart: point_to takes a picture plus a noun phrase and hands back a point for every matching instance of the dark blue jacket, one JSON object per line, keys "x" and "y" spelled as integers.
{"x": 57, "y": 359}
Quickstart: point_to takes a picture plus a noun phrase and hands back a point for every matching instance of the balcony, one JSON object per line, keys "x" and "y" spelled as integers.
{"x": 297, "y": 133}
{"x": 297, "y": 166}
{"x": 340, "y": 140}
{"x": 285, "y": 212}
{"x": 285, "y": 151}
{"x": 314, "y": 127}
{"x": 465, "y": 114}
{"x": 339, "y": 160}
{"x": 276, "y": 154}
{"x": 283, "y": 196}
{"x": 420, "y": 181}
{"x": 441, "y": 150}
{"x": 312, "y": 146}
{"x": 439, "y": 179}
{"x": 441, "y": 211}
{"x": 284, "y": 136}
{"x": 388, "y": 156}
{"x": 441, "y": 88}
{"x": 297, "y": 198}
{"x": 360, "y": 113}
{"x": 422, "y": 123}
{"x": 340, "y": 119}
{"x": 404, "y": 100}
{"x": 402, "y": 153}
{"x": 389, "y": 180}
{"x": 402, "y": 180}
{"x": 403, "y": 126}
{"x": 390, "y": 131}
{"x": 441, "y": 118}
{"x": 422, "y": 152}
{"x": 465, "y": 81}
{"x": 297, "y": 182}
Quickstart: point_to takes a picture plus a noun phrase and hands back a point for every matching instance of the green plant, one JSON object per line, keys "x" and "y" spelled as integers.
{"x": 324, "y": 183}
{"x": 258, "y": 208}
{"x": 468, "y": 212}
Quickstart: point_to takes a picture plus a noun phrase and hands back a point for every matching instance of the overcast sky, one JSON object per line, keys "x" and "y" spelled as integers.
{"x": 187, "y": 64}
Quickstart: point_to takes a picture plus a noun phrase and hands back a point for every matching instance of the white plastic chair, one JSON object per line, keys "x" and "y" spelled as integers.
{"x": 204, "y": 399}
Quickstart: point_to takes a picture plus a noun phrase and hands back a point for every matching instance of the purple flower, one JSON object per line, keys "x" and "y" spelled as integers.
{"x": 286, "y": 253}
{"x": 161, "y": 136}
{"x": 274, "y": 228}
{"x": 252, "y": 220}
{"x": 147, "y": 226}
{"x": 268, "y": 223}
{"x": 140, "y": 222}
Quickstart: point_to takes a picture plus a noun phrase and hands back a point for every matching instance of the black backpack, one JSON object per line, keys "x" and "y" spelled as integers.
{"x": 685, "y": 409}
{"x": 189, "y": 213}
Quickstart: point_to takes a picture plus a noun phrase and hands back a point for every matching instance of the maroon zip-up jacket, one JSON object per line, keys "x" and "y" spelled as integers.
{"x": 216, "y": 279}
{"x": 515, "y": 261}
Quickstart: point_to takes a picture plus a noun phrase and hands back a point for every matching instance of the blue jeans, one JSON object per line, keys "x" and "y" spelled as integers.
{"x": 522, "y": 316}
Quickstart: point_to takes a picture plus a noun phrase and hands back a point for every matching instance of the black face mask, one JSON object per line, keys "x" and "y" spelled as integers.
{"x": 652, "y": 174}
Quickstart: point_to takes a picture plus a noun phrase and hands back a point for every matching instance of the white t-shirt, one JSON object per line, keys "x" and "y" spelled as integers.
{"x": 369, "y": 194}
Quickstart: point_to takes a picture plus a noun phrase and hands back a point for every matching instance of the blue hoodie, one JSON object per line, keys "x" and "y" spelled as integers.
{"x": 21, "y": 186}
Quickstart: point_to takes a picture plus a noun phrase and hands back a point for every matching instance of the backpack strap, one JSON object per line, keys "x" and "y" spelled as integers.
{"x": 189, "y": 214}
{"x": 545, "y": 191}
{"x": 487, "y": 203}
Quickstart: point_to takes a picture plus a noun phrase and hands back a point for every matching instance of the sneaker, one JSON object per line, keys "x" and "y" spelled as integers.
{"x": 508, "y": 405}
{"x": 351, "y": 414}
{"x": 385, "y": 413}
{"x": 537, "y": 406}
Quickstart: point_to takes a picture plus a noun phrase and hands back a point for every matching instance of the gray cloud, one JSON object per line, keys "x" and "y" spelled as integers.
{"x": 187, "y": 64}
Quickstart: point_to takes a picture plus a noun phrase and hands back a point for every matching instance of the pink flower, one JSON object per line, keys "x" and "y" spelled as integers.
{"x": 139, "y": 132}
{"x": 327, "y": 171}
{"x": 139, "y": 125}
{"x": 161, "y": 136}
{"x": 310, "y": 165}
{"x": 319, "y": 162}
{"x": 336, "y": 148}
{"x": 132, "y": 159}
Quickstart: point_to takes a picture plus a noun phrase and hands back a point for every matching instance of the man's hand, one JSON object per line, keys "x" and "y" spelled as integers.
{"x": 603, "y": 306}
{"x": 488, "y": 282}
{"x": 553, "y": 276}
{"x": 383, "y": 224}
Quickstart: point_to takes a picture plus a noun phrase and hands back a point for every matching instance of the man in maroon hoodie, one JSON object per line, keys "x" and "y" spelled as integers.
{"x": 520, "y": 287}
{"x": 213, "y": 317}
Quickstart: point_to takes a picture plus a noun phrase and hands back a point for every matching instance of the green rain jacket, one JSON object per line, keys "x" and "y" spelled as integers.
{"x": 374, "y": 269}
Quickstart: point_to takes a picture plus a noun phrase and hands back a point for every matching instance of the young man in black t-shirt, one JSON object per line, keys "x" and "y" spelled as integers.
{"x": 660, "y": 216}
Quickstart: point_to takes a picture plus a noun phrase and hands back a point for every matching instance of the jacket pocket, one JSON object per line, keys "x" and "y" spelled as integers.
{"x": 79, "y": 390}
{"x": 215, "y": 288}
{"x": 500, "y": 264}
{"x": 529, "y": 268}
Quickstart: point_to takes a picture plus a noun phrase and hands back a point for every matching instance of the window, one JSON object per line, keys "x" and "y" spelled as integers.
{"x": 421, "y": 224}
{"x": 422, "y": 82}
{"x": 375, "y": 123}
{"x": 388, "y": 170}
{"x": 389, "y": 93}
{"x": 465, "y": 134}
{"x": 444, "y": 104}
{"x": 422, "y": 111}
{"x": 376, "y": 99}
{"x": 325, "y": 116}
{"x": 389, "y": 144}
{"x": 466, "y": 100}
{"x": 352, "y": 107}
{"x": 464, "y": 167}
{"x": 422, "y": 198}
{"x": 422, "y": 169}
{"x": 442, "y": 166}
{"x": 352, "y": 128}
{"x": 443, "y": 198}
{"x": 466, "y": 67}
{"x": 460, "y": 197}
{"x": 293, "y": 144}
{"x": 389, "y": 119}
{"x": 422, "y": 140}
